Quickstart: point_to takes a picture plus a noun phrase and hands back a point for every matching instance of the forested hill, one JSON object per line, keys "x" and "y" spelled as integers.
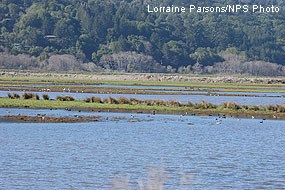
{"x": 122, "y": 35}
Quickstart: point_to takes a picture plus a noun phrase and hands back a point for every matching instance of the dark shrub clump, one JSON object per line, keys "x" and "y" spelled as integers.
{"x": 65, "y": 98}
{"x": 45, "y": 96}
{"x": 27, "y": 96}
{"x": 13, "y": 96}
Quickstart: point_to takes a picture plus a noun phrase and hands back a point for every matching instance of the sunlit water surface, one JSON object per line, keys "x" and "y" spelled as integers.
{"x": 193, "y": 152}
{"x": 271, "y": 99}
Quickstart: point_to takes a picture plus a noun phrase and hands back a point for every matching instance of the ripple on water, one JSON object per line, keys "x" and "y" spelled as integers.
{"x": 236, "y": 155}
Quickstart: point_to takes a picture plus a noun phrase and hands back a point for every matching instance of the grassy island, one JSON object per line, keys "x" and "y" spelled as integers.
{"x": 145, "y": 106}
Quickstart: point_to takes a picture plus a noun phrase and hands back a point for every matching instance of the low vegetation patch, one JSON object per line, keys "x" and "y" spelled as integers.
{"x": 32, "y": 101}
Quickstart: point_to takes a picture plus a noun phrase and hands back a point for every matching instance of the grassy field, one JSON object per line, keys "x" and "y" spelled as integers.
{"x": 221, "y": 86}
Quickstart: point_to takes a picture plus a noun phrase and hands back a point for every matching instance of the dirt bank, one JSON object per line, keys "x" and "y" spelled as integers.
{"x": 48, "y": 119}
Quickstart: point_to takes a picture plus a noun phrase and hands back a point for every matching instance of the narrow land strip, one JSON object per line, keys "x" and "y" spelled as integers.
{"x": 203, "y": 108}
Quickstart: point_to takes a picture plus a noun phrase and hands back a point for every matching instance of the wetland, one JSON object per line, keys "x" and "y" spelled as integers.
{"x": 104, "y": 133}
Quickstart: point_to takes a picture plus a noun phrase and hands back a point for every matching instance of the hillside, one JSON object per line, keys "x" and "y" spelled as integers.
{"x": 113, "y": 35}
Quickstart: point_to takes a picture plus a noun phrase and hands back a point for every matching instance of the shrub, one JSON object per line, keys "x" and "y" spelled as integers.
{"x": 159, "y": 102}
{"x": 65, "y": 98}
{"x": 45, "y": 96}
{"x": 123, "y": 100}
{"x": 110, "y": 100}
{"x": 174, "y": 103}
{"x": 231, "y": 105}
{"x": 272, "y": 108}
{"x": 96, "y": 99}
{"x": 113, "y": 100}
{"x": 106, "y": 101}
{"x": 281, "y": 109}
{"x": 253, "y": 108}
{"x": 134, "y": 101}
{"x": 88, "y": 100}
{"x": 13, "y": 96}
{"x": 204, "y": 105}
{"x": 147, "y": 102}
{"x": 27, "y": 96}
{"x": 189, "y": 104}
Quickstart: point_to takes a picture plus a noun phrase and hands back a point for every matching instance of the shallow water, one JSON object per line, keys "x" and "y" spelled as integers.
{"x": 236, "y": 154}
{"x": 183, "y": 98}
{"x": 109, "y": 86}
{"x": 260, "y": 94}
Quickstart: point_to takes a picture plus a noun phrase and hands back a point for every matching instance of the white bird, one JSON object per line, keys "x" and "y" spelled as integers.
{"x": 219, "y": 122}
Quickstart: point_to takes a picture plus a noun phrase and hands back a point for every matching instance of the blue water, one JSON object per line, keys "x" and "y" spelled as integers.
{"x": 183, "y": 98}
{"x": 236, "y": 154}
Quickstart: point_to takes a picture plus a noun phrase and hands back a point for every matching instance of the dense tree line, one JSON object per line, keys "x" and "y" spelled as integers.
{"x": 107, "y": 33}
